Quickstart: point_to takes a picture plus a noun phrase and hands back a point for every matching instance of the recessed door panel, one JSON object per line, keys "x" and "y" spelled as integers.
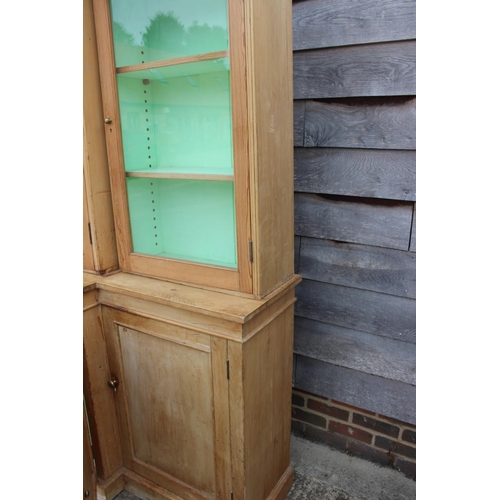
{"x": 168, "y": 401}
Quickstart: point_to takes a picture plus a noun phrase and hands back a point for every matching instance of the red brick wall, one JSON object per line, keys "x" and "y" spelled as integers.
{"x": 358, "y": 432}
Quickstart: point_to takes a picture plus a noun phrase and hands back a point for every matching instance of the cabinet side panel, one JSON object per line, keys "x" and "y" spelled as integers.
{"x": 95, "y": 164}
{"x": 267, "y": 387}
{"x": 98, "y": 396}
{"x": 89, "y": 481}
{"x": 272, "y": 111}
{"x": 88, "y": 257}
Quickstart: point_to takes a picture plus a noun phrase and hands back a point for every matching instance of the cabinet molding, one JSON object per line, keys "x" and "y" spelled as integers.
{"x": 206, "y": 379}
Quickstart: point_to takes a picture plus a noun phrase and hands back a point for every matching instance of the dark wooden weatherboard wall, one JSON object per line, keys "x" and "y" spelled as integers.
{"x": 354, "y": 134}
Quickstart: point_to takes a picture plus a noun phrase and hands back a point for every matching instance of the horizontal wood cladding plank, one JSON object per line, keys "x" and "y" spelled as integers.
{"x": 323, "y": 23}
{"x": 363, "y": 310}
{"x": 298, "y": 122}
{"x": 390, "y": 125}
{"x": 359, "y": 266}
{"x": 371, "y": 173}
{"x": 360, "y": 351}
{"x": 389, "y": 398}
{"x": 380, "y": 69}
{"x": 378, "y": 224}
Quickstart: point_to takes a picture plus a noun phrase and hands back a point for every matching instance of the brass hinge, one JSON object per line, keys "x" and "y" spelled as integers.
{"x": 90, "y": 234}
{"x": 250, "y": 250}
{"x": 227, "y": 368}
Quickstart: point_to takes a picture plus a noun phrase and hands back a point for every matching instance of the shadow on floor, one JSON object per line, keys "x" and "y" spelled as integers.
{"x": 322, "y": 473}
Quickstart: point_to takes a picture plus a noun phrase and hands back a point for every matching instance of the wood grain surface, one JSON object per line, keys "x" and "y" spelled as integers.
{"x": 380, "y": 395}
{"x": 384, "y": 224}
{"x": 365, "y": 352}
{"x": 380, "y": 69}
{"x": 390, "y": 125}
{"x": 322, "y": 23}
{"x": 363, "y": 310}
{"x": 370, "y": 173}
{"x": 359, "y": 266}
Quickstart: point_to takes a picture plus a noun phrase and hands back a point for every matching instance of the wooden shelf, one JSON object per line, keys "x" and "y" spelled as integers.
{"x": 210, "y": 56}
{"x": 177, "y": 175}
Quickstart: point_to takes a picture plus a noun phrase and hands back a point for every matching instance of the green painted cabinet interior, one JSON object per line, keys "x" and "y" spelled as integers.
{"x": 176, "y": 128}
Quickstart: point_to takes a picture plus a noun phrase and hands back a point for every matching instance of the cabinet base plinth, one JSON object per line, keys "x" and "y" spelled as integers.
{"x": 125, "y": 479}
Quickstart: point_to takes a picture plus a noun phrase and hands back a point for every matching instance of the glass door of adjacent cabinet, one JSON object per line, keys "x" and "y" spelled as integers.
{"x": 173, "y": 89}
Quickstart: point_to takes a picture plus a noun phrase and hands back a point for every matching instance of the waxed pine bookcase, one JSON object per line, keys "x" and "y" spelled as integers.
{"x": 188, "y": 247}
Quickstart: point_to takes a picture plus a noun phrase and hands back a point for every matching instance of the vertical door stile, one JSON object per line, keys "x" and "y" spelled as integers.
{"x": 222, "y": 435}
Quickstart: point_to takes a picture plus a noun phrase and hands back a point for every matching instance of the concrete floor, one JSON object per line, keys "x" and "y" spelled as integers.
{"x": 322, "y": 473}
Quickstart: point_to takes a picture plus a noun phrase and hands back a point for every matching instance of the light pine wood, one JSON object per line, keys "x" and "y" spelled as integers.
{"x": 222, "y": 445}
{"x": 170, "y": 269}
{"x": 237, "y": 415}
{"x": 260, "y": 403}
{"x": 223, "y": 306}
{"x": 282, "y": 488}
{"x": 267, "y": 385}
{"x": 143, "y": 488}
{"x": 261, "y": 65}
{"x": 112, "y": 131}
{"x": 97, "y": 190}
{"x": 241, "y": 142}
{"x": 175, "y": 404}
{"x": 109, "y": 488}
{"x": 269, "y": 63}
{"x": 99, "y": 397}
{"x": 192, "y": 321}
{"x": 89, "y": 476}
{"x": 173, "y": 62}
{"x": 168, "y": 402}
{"x": 166, "y": 175}
{"x": 203, "y": 354}
{"x": 88, "y": 257}
{"x": 187, "y": 272}
{"x": 164, "y": 402}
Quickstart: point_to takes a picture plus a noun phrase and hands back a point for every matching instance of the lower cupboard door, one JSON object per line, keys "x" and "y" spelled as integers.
{"x": 166, "y": 413}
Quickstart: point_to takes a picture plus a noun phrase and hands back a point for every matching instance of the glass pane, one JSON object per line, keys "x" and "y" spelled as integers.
{"x": 177, "y": 119}
{"x": 153, "y": 30}
{"x": 183, "y": 219}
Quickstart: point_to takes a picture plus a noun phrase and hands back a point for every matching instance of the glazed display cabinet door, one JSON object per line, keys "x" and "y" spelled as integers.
{"x": 165, "y": 397}
{"x": 168, "y": 81}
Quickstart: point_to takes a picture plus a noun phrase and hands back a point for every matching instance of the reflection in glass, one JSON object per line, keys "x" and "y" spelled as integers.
{"x": 153, "y": 30}
{"x": 177, "y": 118}
{"x": 183, "y": 219}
